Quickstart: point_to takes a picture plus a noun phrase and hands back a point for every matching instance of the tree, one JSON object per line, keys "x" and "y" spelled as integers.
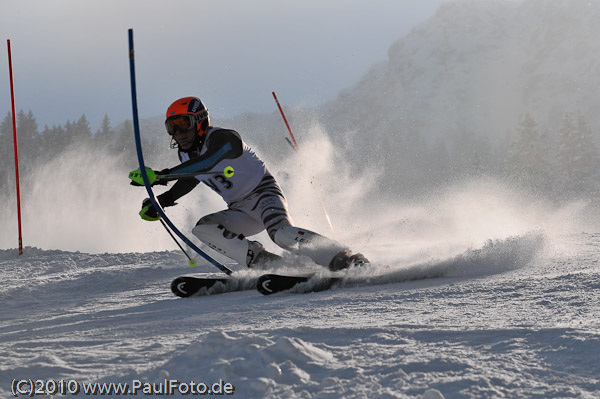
{"x": 56, "y": 139}
{"x": 105, "y": 135}
{"x": 529, "y": 155}
{"x": 28, "y": 139}
{"x": 6, "y": 149}
{"x": 125, "y": 141}
{"x": 577, "y": 156}
{"x": 81, "y": 131}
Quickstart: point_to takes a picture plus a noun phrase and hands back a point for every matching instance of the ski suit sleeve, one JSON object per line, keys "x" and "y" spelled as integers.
{"x": 222, "y": 144}
{"x": 179, "y": 189}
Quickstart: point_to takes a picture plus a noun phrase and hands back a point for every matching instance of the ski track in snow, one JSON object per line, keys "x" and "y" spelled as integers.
{"x": 512, "y": 319}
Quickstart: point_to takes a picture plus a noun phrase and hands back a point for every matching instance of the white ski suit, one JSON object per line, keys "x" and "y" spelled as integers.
{"x": 255, "y": 202}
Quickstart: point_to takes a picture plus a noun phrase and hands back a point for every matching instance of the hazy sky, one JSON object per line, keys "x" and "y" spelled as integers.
{"x": 70, "y": 57}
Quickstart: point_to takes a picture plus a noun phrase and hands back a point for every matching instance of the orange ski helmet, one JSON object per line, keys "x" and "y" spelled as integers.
{"x": 185, "y": 114}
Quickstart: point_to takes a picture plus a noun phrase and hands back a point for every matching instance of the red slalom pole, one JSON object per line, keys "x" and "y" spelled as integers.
{"x": 286, "y": 122}
{"x": 298, "y": 151}
{"x": 14, "y": 121}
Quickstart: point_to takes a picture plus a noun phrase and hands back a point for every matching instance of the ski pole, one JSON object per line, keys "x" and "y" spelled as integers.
{"x": 191, "y": 261}
{"x": 227, "y": 172}
{"x": 298, "y": 151}
{"x": 153, "y": 177}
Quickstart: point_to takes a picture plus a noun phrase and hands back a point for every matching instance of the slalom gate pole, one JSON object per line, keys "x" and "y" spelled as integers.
{"x": 298, "y": 151}
{"x": 138, "y": 144}
{"x": 14, "y": 125}
{"x": 286, "y": 122}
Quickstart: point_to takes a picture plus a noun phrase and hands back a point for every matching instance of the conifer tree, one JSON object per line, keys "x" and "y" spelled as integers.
{"x": 529, "y": 155}
{"x": 81, "y": 131}
{"x": 125, "y": 141}
{"x": 105, "y": 134}
{"x": 577, "y": 155}
{"x": 57, "y": 139}
{"x": 28, "y": 139}
{"x": 6, "y": 149}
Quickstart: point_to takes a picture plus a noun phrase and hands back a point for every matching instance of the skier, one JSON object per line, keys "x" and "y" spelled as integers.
{"x": 255, "y": 201}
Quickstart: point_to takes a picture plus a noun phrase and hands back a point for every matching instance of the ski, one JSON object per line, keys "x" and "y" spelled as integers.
{"x": 187, "y": 286}
{"x": 268, "y": 284}
{"x": 273, "y": 283}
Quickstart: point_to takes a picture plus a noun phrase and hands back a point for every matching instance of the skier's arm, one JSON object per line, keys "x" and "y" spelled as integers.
{"x": 168, "y": 198}
{"x": 222, "y": 144}
{"x": 179, "y": 189}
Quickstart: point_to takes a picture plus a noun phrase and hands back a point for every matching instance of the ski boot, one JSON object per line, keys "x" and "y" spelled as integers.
{"x": 260, "y": 257}
{"x": 346, "y": 259}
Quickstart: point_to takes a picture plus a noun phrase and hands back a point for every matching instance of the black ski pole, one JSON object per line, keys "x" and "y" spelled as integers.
{"x": 191, "y": 261}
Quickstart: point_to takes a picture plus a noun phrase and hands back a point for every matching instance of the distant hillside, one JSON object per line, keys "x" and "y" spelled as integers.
{"x": 450, "y": 100}
{"x": 480, "y": 66}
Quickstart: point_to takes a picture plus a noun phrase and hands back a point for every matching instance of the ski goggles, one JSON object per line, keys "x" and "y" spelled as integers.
{"x": 183, "y": 123}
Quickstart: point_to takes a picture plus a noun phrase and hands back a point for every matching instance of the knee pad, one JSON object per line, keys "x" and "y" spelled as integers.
{"x": 289, "y": 237}
{"x": 234, "y": 246}
{"x": 307, "y": 243}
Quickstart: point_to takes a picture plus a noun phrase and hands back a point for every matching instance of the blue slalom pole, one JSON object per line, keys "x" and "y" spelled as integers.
{"x": 138, "y": 146}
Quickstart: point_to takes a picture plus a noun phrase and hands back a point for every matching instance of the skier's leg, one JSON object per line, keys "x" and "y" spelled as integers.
{"x": 322, "y": 250}
{"x": 217, "y": 231}
{"x": 269, "y": 206}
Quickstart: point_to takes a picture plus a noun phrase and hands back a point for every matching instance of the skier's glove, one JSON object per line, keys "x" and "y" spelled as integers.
{"x": 138, "y": 181}
{"x": 148, "y": 211}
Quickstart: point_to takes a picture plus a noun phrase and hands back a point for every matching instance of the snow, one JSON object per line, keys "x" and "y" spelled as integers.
{"x": 516, "y": 318}
{"x": 479, "y": 290}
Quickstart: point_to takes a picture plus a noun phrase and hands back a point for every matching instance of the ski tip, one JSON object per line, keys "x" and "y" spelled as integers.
{"x": 263, "y": 285}
{"x": 187, "y": 286}
{"x": 180, "y": 287}
{"x": 268, "y": 284}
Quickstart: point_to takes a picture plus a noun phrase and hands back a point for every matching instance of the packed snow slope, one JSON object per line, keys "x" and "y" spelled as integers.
{"x": 480, "y": 289}
{"x": 516, "y": 318}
